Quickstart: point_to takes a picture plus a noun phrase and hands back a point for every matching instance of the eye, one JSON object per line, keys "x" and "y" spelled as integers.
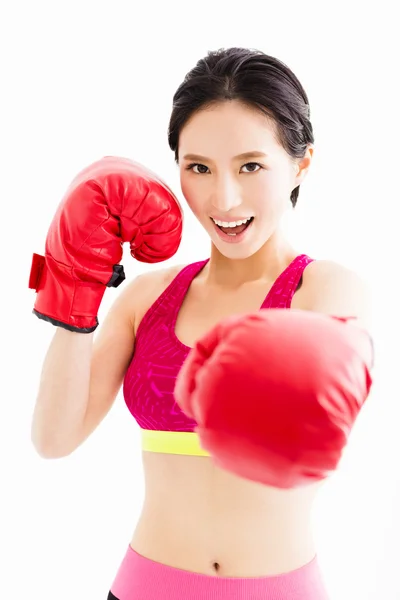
{"x": 252, "y": 167}
{"x": 201, "y": 169}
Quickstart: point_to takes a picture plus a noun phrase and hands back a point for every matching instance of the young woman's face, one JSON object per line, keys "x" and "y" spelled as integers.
{"x": 233, "y": 169}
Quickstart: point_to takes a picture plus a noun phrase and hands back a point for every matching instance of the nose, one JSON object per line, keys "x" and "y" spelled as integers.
{"x": 225, "y": 195}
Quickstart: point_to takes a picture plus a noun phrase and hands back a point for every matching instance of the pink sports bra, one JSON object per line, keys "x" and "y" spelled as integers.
{"x": 150, "y": 378}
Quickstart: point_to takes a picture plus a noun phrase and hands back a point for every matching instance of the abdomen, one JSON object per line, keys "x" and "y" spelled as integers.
{"x": 196, "y": 516}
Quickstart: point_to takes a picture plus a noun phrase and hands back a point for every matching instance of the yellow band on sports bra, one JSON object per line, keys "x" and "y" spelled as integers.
{"x": 172, "y": 442}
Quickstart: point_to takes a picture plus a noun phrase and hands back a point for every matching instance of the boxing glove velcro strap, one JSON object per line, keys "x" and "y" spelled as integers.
{"x": 38, "y": 264}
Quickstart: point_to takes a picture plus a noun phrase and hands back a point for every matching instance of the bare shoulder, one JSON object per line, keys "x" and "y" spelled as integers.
{"x": 140, "y": 293}
{"x": 332, "y": 288}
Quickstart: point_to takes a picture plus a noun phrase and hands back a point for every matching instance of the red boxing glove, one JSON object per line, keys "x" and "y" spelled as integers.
{"x": 276, "y": 393}
{"x": 112, "y": 201}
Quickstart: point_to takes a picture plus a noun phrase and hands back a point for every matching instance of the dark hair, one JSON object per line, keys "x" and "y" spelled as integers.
{"x": 257, "y": 80}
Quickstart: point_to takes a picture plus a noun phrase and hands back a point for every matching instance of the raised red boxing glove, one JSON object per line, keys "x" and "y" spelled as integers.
{"x": 114, "y": 200}
{"x": 276, "y": 393}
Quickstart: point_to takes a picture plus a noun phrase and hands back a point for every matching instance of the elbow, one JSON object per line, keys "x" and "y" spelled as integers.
{"x": 47, "y": 453}
{"x": 48, "y": 449}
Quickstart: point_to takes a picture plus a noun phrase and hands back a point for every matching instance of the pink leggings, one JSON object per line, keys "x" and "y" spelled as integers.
{"x": 140, "y": 578}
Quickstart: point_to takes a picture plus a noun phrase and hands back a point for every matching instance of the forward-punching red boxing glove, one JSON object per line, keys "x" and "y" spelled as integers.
{"x": 112, "y": 201}
{"x": 276, "y": 393}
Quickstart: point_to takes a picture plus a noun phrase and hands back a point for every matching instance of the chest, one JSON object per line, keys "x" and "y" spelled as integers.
{"x": 171, "y": 329}
{"x": 201, "y": 311}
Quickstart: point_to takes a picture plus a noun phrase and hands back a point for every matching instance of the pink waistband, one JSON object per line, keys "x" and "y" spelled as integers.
{"x": 140, "y": 578}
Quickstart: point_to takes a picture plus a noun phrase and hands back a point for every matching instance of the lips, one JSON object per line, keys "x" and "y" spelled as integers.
{"x": 233, "y": 235}
{"x": 235, "y": 230}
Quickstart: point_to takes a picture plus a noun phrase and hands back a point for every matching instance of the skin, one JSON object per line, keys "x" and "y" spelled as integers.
{"x": 195, "y": 516}
{"x": 227, "y": 187}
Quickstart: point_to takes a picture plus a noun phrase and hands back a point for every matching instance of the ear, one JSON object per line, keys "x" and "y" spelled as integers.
{"x": 302, "y": 166}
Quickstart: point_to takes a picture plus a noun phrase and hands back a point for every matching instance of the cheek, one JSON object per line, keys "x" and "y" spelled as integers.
{"x": 193, "y": 194}
{"x": 262, "y": 191}
{"x": 269, "y": 196}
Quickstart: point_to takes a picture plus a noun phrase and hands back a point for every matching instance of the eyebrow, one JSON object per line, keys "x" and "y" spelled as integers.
{"x": 251, "y": 154}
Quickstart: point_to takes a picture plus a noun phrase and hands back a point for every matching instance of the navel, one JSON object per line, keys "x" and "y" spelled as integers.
{"x": 216, "y": 567}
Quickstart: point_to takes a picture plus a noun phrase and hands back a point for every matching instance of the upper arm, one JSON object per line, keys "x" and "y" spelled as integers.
{"x": 112, "y": 351}
{"x": 114, "y": 343}
{"x": 338, "y": 291}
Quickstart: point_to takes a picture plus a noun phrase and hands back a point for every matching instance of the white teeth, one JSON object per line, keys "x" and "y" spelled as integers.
{"x": 232, "y": 223}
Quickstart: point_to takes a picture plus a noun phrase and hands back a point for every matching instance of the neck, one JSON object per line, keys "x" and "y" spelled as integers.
{"x": 265, "y": 265}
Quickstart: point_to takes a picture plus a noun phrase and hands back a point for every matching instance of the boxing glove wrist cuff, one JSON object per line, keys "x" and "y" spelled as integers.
{"x": 65, "y": 325}
{"x": 64, "y": 300}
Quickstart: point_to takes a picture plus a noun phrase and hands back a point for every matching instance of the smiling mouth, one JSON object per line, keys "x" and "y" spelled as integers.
{"x": 232, "y": 231}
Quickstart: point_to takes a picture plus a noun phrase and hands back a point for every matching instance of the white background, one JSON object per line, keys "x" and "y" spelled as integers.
{"x": 82, "y": 79}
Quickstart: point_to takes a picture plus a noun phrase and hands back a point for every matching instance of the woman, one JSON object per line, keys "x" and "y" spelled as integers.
{"x": 242, "y": 138}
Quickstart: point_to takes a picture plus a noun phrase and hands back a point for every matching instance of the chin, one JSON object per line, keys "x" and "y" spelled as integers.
{"x": 237, "y": 251}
